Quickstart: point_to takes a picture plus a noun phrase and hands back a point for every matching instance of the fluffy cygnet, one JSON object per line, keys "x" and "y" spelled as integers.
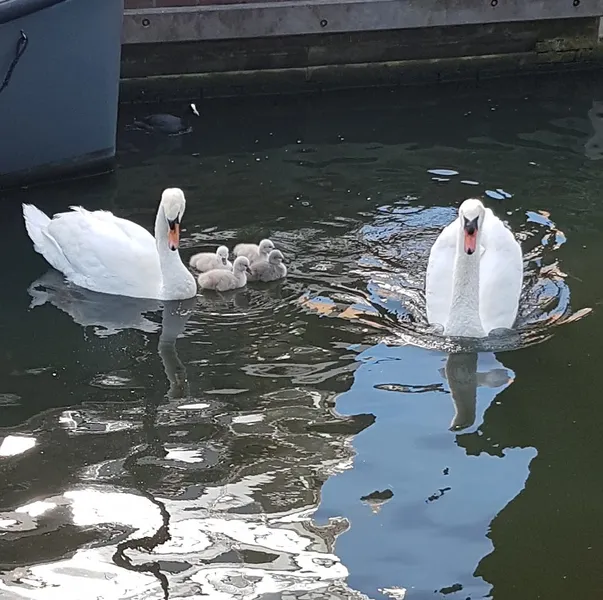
{"x": 254, "y": 252}
{"x": 206, "y": 261}
{"x": 223, "y": 281}
{"x": 269, "y": 270}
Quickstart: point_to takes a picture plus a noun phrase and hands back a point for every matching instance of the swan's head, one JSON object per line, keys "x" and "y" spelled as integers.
{"x": 471, "y": 214}
{"x": 222, "y": 254}
{"x": 241, "y": 265}
{"x": 265, "y": 247}
{"x": 276, "y": 257}
{"x": 173, "y": 203}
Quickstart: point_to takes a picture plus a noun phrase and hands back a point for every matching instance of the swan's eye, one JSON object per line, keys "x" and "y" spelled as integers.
{"x": 470, "y": 226}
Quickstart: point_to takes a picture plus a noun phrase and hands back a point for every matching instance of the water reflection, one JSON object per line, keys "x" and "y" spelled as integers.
{"x": 443, "y": 502}
{"x": 16, "y": 444}
{"x": 109, "y": 315}
{"x": 106, "y": 314}
{"x": 246, "y": 537}
{"x": 463, "y": 378}
{"x": 221, "y": 541}
{"x": 464, "y": 373}
{"x": 313, "y": 439}
{"x": 593, "y": 148}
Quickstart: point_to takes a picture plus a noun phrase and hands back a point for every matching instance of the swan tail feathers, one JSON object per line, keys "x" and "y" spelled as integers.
{"x": 36, "y": 223}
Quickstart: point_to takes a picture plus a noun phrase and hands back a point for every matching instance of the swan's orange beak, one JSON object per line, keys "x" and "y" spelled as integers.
{"x": 174, "y": 236}
{"x": 470, "y": 242}
{"x": 470, "y": 235}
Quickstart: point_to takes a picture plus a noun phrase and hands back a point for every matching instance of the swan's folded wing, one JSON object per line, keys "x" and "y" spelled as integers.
{"x": 104, "y": 254}
{"x": 501, "y": 275}
{"x": 438, "y": 279}
{"x": 134, "y": 231}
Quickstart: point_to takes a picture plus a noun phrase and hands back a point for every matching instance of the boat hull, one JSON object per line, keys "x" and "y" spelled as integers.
{"x": 59, "y": 65}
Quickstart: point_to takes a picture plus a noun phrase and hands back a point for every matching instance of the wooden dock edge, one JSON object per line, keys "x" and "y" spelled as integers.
{"x": 155, "y": 68}
{"x": 306, "y": 17}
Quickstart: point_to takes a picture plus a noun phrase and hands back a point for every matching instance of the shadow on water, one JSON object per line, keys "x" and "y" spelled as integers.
{"x": 314, "y": 438}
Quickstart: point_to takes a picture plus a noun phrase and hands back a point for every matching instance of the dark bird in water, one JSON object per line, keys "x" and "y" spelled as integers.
{"x": 166, "y": 123}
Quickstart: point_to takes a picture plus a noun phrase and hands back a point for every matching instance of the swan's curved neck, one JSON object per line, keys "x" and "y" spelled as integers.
{"x": 464, "y": 319}
{"x": 177, "y": 281}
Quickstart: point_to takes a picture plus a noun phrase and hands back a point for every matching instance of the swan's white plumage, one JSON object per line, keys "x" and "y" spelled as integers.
{"x": 97, "y": 250}
{"x": 103, "y": 253}
{"x": 438, "y": 280}
{"x": 500, "y": 274}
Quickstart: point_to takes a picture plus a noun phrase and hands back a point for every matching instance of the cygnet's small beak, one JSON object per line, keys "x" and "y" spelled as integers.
{"x": 174, "y": 234}
{"x": 248, "y": 271}
{"x": 470, "y": 235}
{"x": 223, "y": 261}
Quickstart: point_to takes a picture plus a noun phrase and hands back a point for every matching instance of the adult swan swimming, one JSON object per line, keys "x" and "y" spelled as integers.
{"x": 103, "y": 253}
{"x": 474, "y": 275}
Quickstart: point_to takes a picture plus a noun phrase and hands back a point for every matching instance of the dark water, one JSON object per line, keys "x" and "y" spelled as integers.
{"x": 288, "y": 441}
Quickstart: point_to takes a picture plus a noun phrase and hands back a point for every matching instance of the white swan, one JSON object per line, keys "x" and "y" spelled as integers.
{"x": 471, "y": 293}
{"x": 103, "y": 253}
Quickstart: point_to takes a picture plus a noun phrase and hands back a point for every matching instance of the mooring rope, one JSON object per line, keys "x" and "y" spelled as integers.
{"x": 20, "y": 49}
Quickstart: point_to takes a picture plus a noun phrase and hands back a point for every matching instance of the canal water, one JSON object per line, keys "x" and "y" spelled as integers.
{"x": 312, "y": 439}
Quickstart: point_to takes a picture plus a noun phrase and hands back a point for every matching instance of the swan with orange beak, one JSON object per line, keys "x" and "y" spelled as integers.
{"x": 474, "y": 274}
{"x": 471, "y": 227}
{"x": 105, "y": 253}
{"x": 174, "y": 233}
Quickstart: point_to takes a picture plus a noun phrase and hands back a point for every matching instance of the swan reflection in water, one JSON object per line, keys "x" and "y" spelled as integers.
{"x": 464, "y": 376}
{"x": 461, "y": 373}
{"x": 109, "y": 314}
{"x": 593, "y": 148}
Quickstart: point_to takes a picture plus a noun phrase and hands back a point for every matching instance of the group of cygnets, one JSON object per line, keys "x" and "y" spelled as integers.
{"x": 252, "y": 262}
